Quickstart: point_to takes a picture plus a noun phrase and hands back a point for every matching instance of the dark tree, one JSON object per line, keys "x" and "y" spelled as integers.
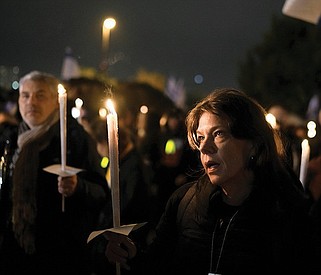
{"x": 285, "y": 68}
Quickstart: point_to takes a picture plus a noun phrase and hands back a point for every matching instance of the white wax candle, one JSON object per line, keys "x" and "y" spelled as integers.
{"x": 63, "y": 124}
{"x": 63, "y": 130}
{"x": 305, "y": 157}
{"x": 112, "y": 126}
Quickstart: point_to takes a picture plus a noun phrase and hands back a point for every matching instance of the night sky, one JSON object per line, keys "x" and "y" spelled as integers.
{"x": 179, "y": 38}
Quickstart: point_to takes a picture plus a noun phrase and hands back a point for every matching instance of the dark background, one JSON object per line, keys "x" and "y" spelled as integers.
{"x": 180, "y": 38}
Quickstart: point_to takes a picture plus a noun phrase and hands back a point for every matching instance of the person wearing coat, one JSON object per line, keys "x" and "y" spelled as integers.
{"x": 37, "y": 234}
{"x": 247, "y": 212}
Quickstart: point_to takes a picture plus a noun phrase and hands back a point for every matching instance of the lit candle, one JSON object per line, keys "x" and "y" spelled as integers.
{"x": 305, "y": 157}
{"x": 63, "y": 130}
{"x": 112, "y": 126}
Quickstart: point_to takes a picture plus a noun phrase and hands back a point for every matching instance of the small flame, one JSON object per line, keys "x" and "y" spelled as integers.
{"x": 110, "y": 106}
{"x": 61, "y": 89}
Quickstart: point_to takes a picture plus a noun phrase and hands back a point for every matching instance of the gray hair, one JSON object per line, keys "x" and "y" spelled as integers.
{"x": 43, "y": 77}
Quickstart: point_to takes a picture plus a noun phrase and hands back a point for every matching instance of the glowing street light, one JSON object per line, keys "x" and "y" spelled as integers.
{"x": 108, "y": 25}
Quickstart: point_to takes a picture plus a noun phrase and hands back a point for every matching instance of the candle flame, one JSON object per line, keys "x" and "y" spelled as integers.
{"x": 61, "y": 89}
{"x": 110, "y": 106}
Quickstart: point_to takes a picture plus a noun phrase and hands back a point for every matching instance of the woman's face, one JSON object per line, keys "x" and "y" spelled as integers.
{"x": 223, "y": 157}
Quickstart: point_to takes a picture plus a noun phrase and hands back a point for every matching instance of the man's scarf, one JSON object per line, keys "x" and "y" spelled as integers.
{"x": 30, "y": 143}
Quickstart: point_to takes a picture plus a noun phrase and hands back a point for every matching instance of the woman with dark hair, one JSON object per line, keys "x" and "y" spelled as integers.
{"x": 246, "y": 214}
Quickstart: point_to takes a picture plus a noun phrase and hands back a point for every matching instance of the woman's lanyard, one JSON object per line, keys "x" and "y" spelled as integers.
{"x": 222, "y": 245}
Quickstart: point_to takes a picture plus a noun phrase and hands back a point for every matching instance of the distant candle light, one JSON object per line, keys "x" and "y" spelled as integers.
{"x": 272, "y": 120}
{"x": 143, "y": 109}
{"x": 312, "y": 129}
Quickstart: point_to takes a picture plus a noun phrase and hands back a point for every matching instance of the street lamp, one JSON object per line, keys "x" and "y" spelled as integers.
{"x": 108, "y": 25}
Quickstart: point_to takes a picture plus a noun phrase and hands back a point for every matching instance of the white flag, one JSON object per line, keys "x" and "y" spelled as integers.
{"x": 70, "y": 67}
{"x": 175, "y": 90}
{"x": 305, "y": 10}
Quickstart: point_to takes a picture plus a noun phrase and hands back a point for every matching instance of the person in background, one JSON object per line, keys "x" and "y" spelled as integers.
{"x": 177, "y": 162}
{"x": 9, "y": 117}
{"x": 133, "y": 195}
{"x": 247, "y": 214}
{"x": 36, "y": 235}
{"x": 134, "y": 200}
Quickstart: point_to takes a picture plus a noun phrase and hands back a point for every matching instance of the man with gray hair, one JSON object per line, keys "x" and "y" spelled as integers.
{"x": 35, "y": 234}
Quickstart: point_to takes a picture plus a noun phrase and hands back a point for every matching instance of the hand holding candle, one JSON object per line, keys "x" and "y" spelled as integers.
{"x": 63, "y": 130}
{"x": 112, "y": 126}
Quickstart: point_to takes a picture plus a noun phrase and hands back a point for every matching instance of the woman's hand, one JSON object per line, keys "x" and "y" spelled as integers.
{"x": 119, "y": 249}
{"x": 67, "y": 185}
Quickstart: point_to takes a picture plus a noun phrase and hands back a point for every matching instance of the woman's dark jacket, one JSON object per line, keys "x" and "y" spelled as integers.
{"x": 269, "y": 234}
{"x": 60, "y": 236}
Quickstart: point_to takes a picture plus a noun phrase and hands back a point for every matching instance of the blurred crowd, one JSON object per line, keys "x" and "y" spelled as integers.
{"x": 162, "y": 124}
{"x": 154, "y": 156}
